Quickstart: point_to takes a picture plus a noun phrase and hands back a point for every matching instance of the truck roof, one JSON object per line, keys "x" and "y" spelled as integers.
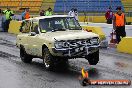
{"x": 43, "y": 17}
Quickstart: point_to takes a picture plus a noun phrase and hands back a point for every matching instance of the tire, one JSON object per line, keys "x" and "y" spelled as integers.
{"x": 48, "y": 59}
{"x": 24, "y": 56}
{"x": 93, "y": 58}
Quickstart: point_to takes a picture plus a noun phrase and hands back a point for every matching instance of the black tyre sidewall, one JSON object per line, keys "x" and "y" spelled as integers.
{"x": 24, "y": 56}
{"x": 93, "y": 58}
{"x": 51, "y": 64}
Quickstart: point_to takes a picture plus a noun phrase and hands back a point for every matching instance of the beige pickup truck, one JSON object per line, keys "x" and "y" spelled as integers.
{"x": 56, "y": 39}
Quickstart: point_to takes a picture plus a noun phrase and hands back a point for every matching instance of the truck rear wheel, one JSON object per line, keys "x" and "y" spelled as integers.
{"x": 24, "y": 56}
{"x": 93, "y": 58}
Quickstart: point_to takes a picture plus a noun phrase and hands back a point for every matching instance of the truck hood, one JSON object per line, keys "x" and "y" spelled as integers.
{"x": 69, "y": 35}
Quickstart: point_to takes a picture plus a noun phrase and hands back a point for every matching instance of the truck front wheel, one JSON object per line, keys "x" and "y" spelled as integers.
{"x": 48, "y": 59}
{"x": 93, "y": 58}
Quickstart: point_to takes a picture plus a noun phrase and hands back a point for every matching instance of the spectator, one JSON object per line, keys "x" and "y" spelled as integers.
{"x": 8, "y": 13}
{"x": 42, "y": 13}
{"x": 119, "y": 22}
{"x": 71, "y": 13}
{"x": 23, "y": 14}
{"x": 49, "y": 12}
{"x": 27, "y": 15}
{"x": 109, "y": 15}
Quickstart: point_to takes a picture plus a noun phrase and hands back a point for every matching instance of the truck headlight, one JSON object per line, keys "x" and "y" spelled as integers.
{"x": 61, "y": 44}
{"x": 94, "y": 41}
{"x": 58, "y": 44}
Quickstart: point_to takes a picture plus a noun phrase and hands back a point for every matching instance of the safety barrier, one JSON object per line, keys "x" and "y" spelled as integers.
{"x": 125, "y": 45}
{"x": 14, "y": 27}
{"x": 98, "y": 19}
{"x": 96, "y": 30}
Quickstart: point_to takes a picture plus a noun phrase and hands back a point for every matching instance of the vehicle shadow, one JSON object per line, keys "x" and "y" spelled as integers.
{"x": 66, "y": 70}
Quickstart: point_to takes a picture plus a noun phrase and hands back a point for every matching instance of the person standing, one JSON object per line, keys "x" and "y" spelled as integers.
{"x": 109, "y": 15}
{"x": 119, "y": 22}
{"x": 8, "y": 13}
{"x": 23, "y": 14}
{"x": 49, "y": 12}
{"x": 27, "y": 14}
{"x": 42, "y": 13}
{"x": 71, "y": 13}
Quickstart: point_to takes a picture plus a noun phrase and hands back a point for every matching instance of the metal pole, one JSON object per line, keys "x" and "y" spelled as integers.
{"x": 64, "y": 6}
{"x": 110, "y": 3}
{"x": 87, "y": 12}
{"x": 77, "y": 5}
{"x": 99, "y": 7}
{"x": 21, "y": 3}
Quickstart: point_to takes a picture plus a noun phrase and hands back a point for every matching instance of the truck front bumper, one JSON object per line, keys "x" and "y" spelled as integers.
{"x": 76, "y": 52}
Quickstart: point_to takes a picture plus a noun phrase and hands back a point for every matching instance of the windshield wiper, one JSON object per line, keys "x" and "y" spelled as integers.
{"x": 60, "y": 29}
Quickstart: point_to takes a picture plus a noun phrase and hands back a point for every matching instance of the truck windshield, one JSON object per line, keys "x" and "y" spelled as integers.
{"x": 59, "y": 24}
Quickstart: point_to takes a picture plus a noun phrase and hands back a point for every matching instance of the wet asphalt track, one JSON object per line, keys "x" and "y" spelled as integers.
{"x": 16, "y": 74}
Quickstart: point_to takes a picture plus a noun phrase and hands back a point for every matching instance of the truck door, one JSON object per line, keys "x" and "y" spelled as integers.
{"x": 33, "y": 40}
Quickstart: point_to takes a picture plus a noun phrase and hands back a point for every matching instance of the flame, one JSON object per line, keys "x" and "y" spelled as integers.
{"x": 84, "y": 73}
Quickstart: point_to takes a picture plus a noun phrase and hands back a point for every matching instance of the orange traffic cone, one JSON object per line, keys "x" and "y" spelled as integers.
{"x": 113, "y": 39}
